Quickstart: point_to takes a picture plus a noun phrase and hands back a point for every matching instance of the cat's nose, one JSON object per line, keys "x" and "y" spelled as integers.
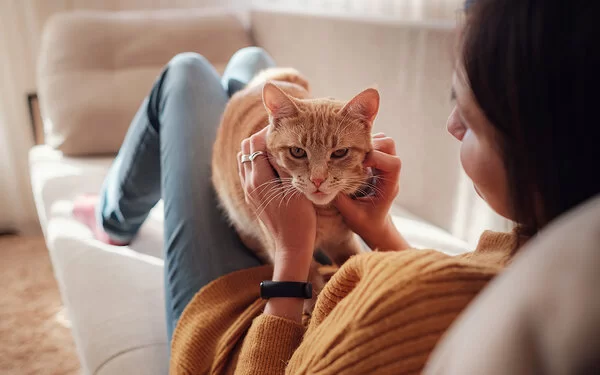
{"x": 317, "y": 181}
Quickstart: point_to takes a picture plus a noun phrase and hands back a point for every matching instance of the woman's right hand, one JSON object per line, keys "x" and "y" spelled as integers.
{"x": 369, "y": 216}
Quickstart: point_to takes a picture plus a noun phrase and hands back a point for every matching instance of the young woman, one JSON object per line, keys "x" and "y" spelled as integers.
{"x": 525, "y": 115}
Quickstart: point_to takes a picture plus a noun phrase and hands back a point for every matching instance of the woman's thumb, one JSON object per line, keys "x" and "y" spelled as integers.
{"x": 344, "y": 204}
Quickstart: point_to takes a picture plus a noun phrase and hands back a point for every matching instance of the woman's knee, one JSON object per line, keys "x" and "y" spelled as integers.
{"x": 190, "y": 93}
{"x": 256, "y": 57}
{"x": 191, "y": 68}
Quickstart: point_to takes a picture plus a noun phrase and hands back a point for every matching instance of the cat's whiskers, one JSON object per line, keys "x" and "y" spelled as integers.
{"x": 260, "y": 209}
{"x": 264, "y": 186}
{"x": 374, "y": 187}
{"x": 352, "y": 181}
{"x": 271, "y": 182}
{"x": 296, "y": 191}
{"x": 280, "y": 195}
{"x": 358, "y": 186}
{"x": 362, "y": 180}
{"x": 277, "y": 191}
{"x": 287, "y": 190}
{"x": 365, "y": 194}
{"x": 273, "y": 191}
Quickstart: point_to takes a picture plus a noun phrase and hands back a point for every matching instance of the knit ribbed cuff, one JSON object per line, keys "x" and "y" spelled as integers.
{"x": 269, "y": 345}
{"x": 494, "y": 241}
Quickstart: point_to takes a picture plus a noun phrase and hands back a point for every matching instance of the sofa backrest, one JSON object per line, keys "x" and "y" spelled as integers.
{"x": 95, "y": 68}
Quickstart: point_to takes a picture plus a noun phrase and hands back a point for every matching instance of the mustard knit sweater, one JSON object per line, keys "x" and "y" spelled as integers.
{"x": 381, "y": 313}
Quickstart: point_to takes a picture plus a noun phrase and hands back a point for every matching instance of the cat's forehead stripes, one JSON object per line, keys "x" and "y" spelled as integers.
{"x": 322, "y": 126}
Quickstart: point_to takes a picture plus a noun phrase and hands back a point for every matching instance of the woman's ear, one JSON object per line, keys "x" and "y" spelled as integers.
{"x": 364, "y": 106}
{"x": 277, "y": 103}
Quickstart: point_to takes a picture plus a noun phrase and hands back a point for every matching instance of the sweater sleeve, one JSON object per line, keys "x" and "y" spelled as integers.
{"x": 269, "y": 345}
{"x": 394, "y": 316}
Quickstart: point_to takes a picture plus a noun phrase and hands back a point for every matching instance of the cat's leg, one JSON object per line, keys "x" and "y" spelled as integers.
{"x": 339, "y": 251}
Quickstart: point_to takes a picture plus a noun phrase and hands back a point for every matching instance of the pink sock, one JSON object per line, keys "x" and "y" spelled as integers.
{"x": 84, "y": 210}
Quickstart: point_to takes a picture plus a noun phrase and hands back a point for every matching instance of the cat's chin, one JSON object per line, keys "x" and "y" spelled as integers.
{"x": 320, "y": 199}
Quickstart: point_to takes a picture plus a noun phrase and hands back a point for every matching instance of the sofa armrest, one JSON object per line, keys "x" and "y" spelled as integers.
{"x": 95, "y": 68}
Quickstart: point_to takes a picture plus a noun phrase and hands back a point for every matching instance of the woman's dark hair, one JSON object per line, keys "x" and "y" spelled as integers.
{"x": 534, "y": 69}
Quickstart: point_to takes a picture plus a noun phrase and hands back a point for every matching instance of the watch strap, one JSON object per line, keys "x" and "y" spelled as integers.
{"x": 285, "y": 289}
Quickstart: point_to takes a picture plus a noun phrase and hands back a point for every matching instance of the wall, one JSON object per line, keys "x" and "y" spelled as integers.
{"x": 21, "y": 25}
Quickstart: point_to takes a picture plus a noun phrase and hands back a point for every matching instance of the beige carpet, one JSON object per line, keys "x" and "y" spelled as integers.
{"x": 34, "y": 331}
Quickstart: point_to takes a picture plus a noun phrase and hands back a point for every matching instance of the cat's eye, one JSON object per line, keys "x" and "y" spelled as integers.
{"x": 297, "y": 152}
{"x": 340, "y": 153}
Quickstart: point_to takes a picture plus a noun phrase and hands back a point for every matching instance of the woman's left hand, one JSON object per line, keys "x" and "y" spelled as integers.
{"x": 286, "y": 213}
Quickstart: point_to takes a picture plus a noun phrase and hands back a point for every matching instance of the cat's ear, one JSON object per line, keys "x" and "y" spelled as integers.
{"x": 278, "y": 103}
{"x": 364, "y": 106}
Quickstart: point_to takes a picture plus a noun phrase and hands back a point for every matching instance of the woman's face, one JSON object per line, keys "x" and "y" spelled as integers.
{"x": 478, "y": 152}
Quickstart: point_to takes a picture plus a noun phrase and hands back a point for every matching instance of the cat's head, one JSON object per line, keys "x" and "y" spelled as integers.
{"x": 321, "y": 143}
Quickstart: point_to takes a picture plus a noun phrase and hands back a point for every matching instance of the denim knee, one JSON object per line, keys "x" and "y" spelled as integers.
{"x": 190, "y": 65}
{"x": 255, "y": 56}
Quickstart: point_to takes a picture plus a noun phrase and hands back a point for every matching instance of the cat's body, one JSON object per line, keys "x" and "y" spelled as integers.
{"x": 247, "y": 113}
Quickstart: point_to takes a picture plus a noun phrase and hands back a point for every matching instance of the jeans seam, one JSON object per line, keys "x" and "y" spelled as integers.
{"x": 153, "y": 122}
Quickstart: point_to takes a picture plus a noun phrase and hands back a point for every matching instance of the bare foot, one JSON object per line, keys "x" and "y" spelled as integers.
{"x": 84, "y": 210}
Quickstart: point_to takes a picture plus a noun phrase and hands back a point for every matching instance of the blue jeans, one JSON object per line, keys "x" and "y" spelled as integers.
{"x": 167, "y": 154}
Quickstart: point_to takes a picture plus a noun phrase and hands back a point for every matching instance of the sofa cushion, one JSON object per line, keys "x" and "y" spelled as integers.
{"x": 88, "y": 99}
{"x": 113, "y": 295}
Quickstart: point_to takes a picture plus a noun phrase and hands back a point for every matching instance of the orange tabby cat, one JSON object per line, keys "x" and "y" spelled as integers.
{"x": 321, "y": 143}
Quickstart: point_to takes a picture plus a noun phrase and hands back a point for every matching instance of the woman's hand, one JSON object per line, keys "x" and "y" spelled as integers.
{"x": 287, "y": 215}
{"x": 285, "y": 212}
{"x": 369, "y": 216}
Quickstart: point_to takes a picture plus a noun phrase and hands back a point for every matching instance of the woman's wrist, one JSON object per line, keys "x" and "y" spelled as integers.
{"x": 289, "y": 270}
{"x": 387, "y": 238}
{"x": 290, "y": 265}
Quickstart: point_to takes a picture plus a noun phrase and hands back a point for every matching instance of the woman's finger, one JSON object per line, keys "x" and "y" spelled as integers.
{"x": 382, "y": 161}
{"x": 346, "y": 205}
{"x": 258, "y": 141}
{"x": 387, "y": 172}
{"x": 262, "y": 171}
{"x": 247, "y": 167}
{"x": 385, "y": 144}
{"x": 378, "y": 135}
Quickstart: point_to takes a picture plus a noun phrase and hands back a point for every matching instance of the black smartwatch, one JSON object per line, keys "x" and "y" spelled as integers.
{"x": 285, "y": 289}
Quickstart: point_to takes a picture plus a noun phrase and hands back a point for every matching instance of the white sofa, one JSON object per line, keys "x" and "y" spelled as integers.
{"x": 114, "y": 295}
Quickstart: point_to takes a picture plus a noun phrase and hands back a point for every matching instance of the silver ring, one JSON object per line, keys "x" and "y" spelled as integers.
{"x": 251, "y": 157}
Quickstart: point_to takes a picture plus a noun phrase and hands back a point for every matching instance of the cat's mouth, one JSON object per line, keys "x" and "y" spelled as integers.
{"x": 320, "y": 198}
{"x": 323, "y": 196}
